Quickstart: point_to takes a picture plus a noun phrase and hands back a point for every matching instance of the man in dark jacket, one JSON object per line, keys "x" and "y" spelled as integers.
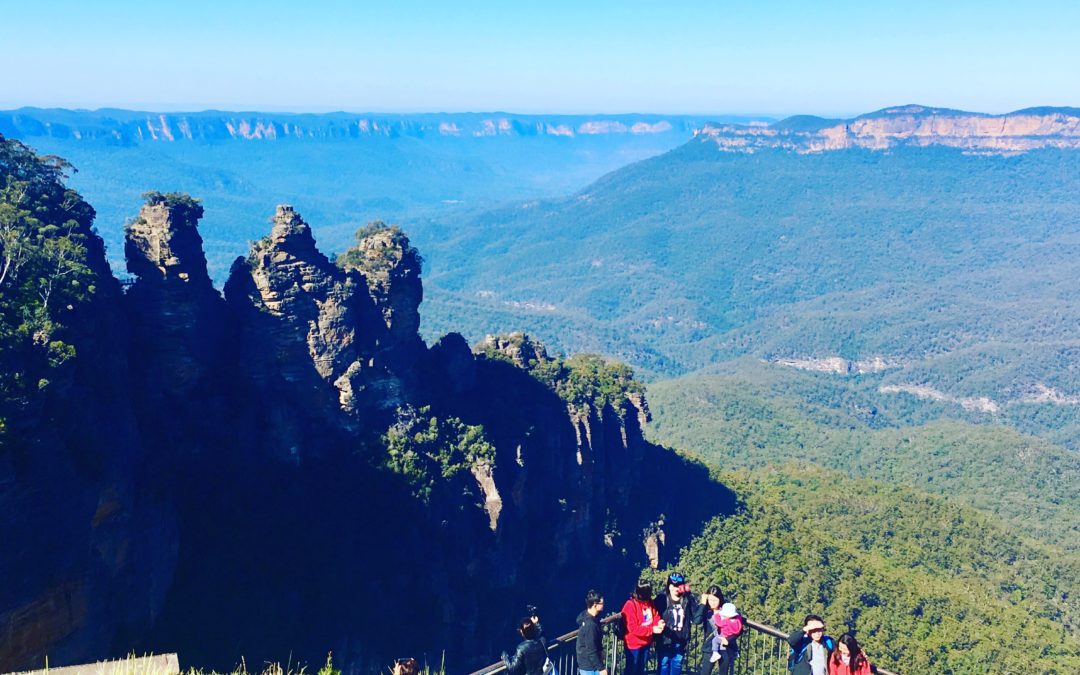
{"x": 590, "y": 638}
{"x": 679, "y": 610}
{"x": 810, "y": 648}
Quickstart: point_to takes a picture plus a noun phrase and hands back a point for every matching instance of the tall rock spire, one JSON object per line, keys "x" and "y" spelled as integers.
{"x": 177, "y": 317}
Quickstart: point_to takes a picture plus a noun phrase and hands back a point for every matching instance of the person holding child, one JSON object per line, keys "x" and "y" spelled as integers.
{"x": 728, "y": 626}
{"x": 711, "y": 602}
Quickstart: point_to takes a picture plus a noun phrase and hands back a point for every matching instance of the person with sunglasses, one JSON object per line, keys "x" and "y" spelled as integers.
{"x": 810, "y": 648}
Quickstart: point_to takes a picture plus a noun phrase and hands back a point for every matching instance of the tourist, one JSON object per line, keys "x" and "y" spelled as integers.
{"x": 678, "y": 609}
{"x": 530, "y": 656}
{"x": 810, "y": 648}
{"x": 728, "y": 627}
{"x": 642, "y": 624}
{"x": 711, "y": 602}
{"x": 848, "y": 658}
{"x": 590, "y": 639}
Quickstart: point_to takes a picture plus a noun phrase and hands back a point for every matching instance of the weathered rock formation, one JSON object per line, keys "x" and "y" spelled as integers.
{"x": 910, "y": 125}
{"x": 291, "y": 469}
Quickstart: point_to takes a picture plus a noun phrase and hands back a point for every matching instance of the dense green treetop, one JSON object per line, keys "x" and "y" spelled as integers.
{"x": 376, "y": 261}
{"x": 1028, "y": 482}
{"x": 46, "y": 237}
{"x": 430, "y": 451}
{"x": 188, "y": 207}
{"x": 927, "y": 585}
{"x": 585, "y": 381}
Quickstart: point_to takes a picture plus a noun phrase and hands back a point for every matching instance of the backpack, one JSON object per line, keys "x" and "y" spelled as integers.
{"x": 794, "y": 657}
{"x": 619, "y": 626}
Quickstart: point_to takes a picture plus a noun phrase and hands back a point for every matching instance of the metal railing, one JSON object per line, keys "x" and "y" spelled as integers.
{"x": 763, "y": 650}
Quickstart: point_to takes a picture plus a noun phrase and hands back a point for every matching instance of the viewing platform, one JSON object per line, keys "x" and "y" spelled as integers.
{"x": 763, "y": 650}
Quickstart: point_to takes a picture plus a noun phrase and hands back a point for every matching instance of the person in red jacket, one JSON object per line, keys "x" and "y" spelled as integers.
{"x": 642, "y": 623}
{"x": 848, "y": 658}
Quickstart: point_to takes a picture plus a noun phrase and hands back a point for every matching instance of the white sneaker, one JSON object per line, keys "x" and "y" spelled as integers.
{"x": 715, "y": 657}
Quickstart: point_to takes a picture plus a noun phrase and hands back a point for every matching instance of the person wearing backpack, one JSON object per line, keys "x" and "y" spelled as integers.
{"x": 810, "y": 648}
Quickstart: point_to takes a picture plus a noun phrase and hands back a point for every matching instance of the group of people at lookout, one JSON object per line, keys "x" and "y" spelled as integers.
{"x": 663, "y": 622}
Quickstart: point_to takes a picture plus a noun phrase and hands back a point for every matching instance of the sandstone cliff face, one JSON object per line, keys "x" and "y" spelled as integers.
{"x": 913, "y": 125}
{"x": 391, "y": 267}
{"x": 244, "y": 503}
{"x": 131, "y": 127}
{"x": 89, "y": 546}
{"x": 176, "y": 316}
{"x": 303, "y": 322}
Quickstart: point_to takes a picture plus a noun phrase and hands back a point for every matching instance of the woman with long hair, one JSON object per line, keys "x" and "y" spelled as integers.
{"x": 642, "y": 623}
{"x": 848, "y": 658}
{"x": 711, "y": 601}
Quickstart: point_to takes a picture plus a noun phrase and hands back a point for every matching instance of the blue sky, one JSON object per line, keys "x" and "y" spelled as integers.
{"x": 824, "y": 57}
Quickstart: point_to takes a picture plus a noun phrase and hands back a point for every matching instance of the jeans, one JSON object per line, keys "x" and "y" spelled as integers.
{"x": 588, "y": 672}
{"x": 670, "y": 663}
{"x": 726, "y": 664}
{"x": 636, "y": 660}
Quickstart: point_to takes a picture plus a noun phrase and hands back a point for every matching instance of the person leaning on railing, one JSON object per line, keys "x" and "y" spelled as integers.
{"x": 590, "y": 637}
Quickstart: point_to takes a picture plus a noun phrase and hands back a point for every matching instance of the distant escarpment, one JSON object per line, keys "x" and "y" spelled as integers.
{"x": 911, "y": 126}
{"x": 127, "y": 127}
{"x": 287, "y": 467}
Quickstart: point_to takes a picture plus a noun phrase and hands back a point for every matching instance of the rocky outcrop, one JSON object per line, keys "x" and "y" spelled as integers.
{"x": 239, "y": 478}
{"x": 908, "y": 126}
{"x": 304, "y": 322}
{"x": 391, "y": 267}
{"x": 176, "y": 316}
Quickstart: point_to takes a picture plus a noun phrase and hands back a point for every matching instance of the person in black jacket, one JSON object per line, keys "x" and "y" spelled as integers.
{"x": 679, "y": 609}
{"x": 711, "y": 603}
{"x": 530, "y": 655}
{"x": 590, "y": 638}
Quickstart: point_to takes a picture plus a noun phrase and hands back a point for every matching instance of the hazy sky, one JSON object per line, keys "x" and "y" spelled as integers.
{"x": 779, "y": 57}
